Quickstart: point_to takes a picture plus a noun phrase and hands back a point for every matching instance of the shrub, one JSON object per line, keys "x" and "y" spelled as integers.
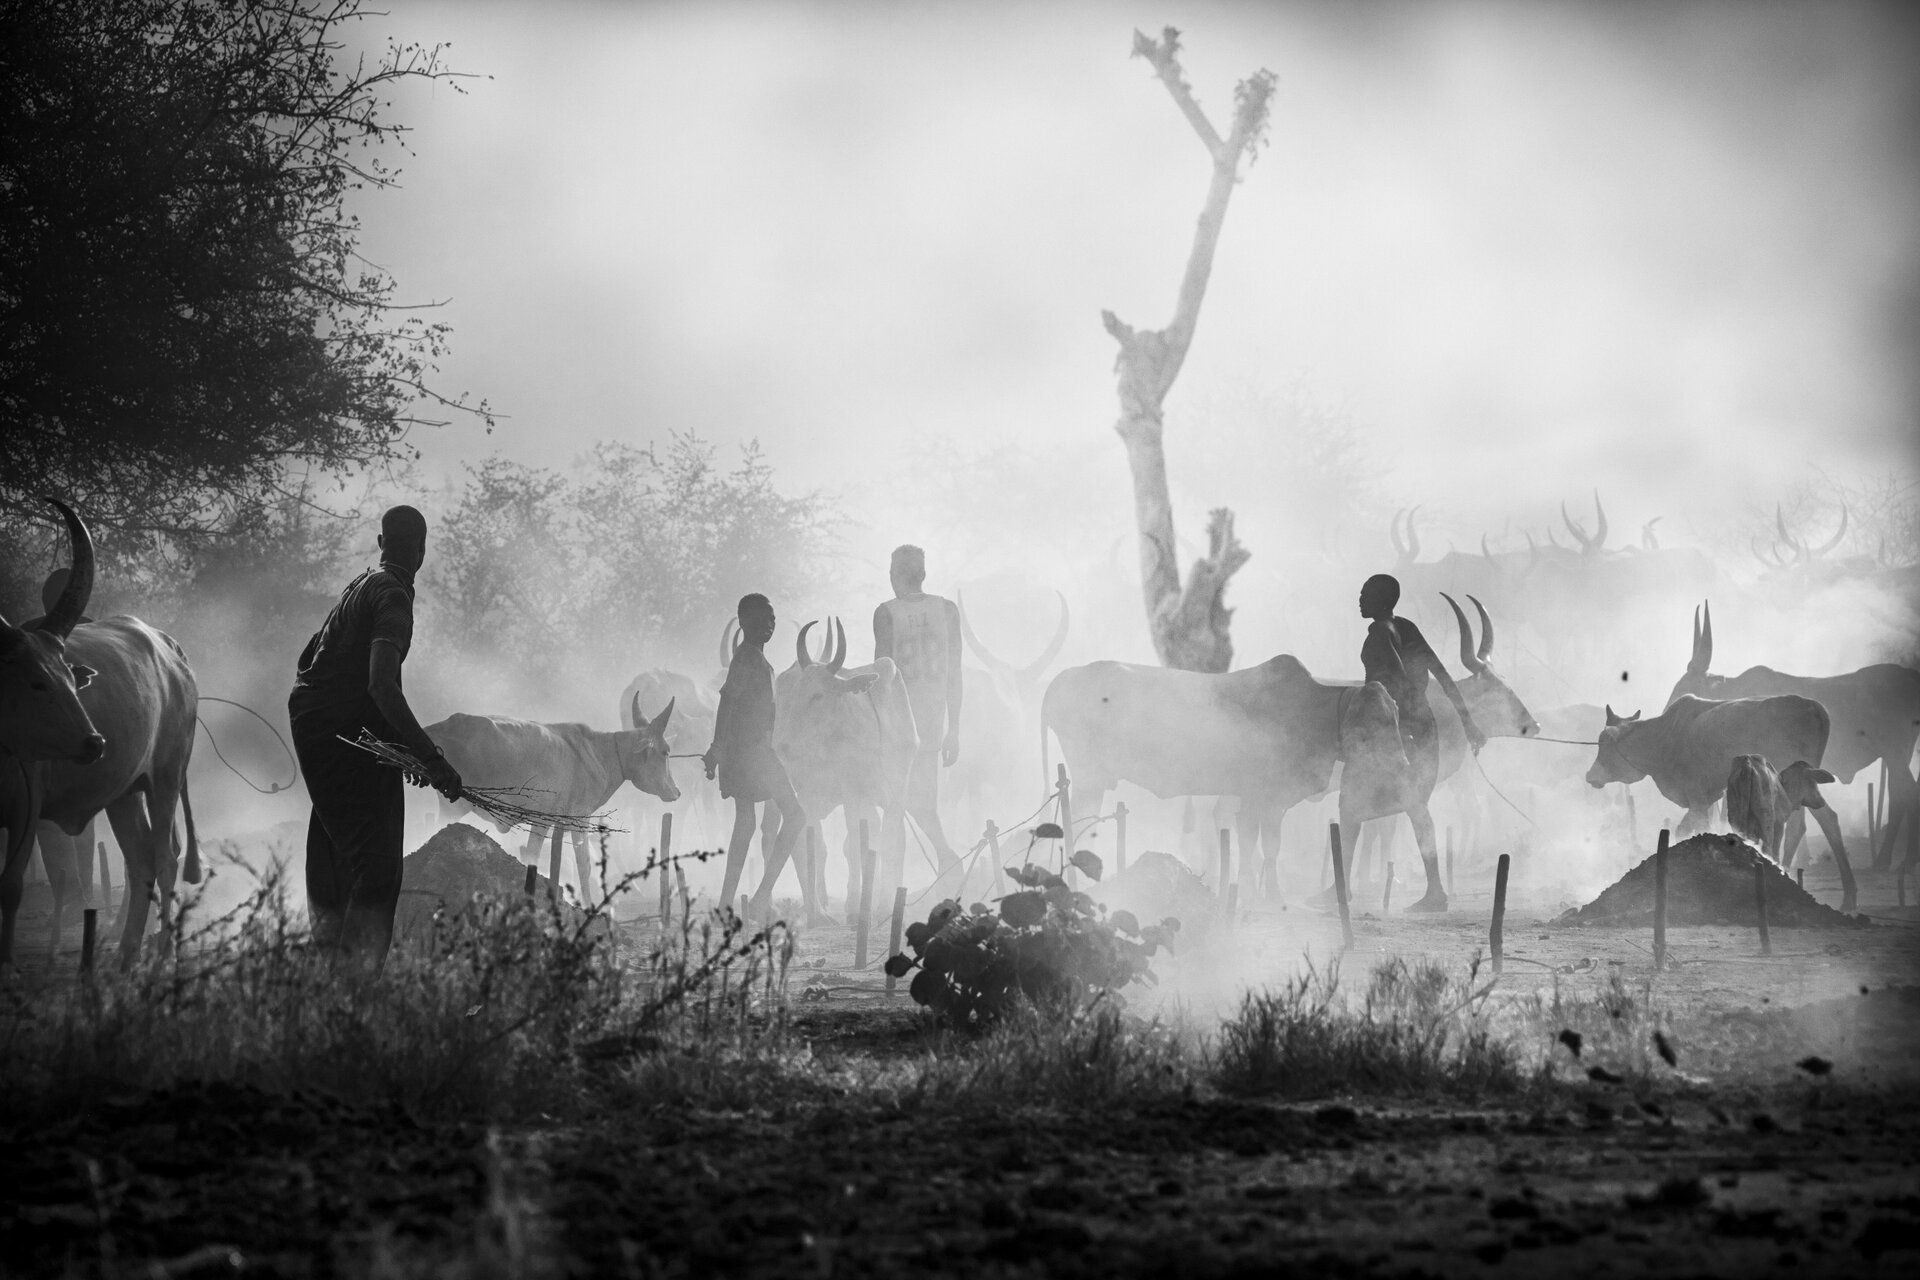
{"x": 1416, "y": 1030}
{"x": 1047, "y": 944}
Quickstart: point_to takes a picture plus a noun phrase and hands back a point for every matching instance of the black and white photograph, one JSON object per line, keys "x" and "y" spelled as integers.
{"x": 868, "y": 638}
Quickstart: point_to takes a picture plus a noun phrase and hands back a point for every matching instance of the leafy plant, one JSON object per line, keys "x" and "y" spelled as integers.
{"x": 1048, "y": 944}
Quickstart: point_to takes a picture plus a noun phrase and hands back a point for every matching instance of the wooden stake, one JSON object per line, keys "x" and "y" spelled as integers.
{"x": 89, "y": 922}
{"x": 1760, "y": 903}
{"x": 666, "y": 852}
{"x": 1873, "y": 823}
{"x": 1660, "y": 903}
{"x": 533, "y": 878}
{"x": 1495, "y": 936}
{"x": 1449, "y": 862}
{"x": 1119, "y": 837}
{"x": 553, "y": 864}
{"x": 859, "y": 869}
{"x": 1340, "y": 884}
{"x": 1226, "y": 861}
{"x": 866, "y": 903}
{"x": 106, "y": 878}
{"x": 1800, "y": 876}
{"x": 993, "y": 851}
{"x": 1386, "y": 897}
{"x": 1065, "y": 790}
{"x": 893, "y": 934}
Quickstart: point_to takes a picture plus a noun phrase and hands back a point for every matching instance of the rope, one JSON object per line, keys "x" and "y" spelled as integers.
{"x": 1572, "y": 742}
{"x": 1503, "y": 796}
{"x": 277, "y": 787}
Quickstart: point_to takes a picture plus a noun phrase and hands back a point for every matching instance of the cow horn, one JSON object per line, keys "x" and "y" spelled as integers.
{"x": 1393, "y": 531}
{"x": 1706, "y": 634}
{"x": 1035, "y": 669}
{"x": 73, "y": 601}
{"x": 1486, "y": 629}
{"x": 10, "y": 636}
{"x": 839, "y": 658}
{"x": 1648, "y": 539}
{"x": 658, "y": 727}
{"x": 1485, "y": 554}
{"x": 1600, "y": 523}
{"x": 729, "y": 642}
{"x": 1550, "y": 538}
{"x": 801, "y": 657}
{"x": 1579, "y": 534}
{"x": 1834, "y": 541}
{"x": 1413, "y": 539}
{"x": 980, "y": 650}
{"x": 1467, "y": 658}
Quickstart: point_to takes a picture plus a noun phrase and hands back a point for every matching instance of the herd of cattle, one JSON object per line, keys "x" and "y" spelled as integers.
{"x": 99, "y": 716}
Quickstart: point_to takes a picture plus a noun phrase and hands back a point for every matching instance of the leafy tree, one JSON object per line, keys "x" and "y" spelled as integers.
{"x": 640, "y": 554}
{"x": 182, "y": 311}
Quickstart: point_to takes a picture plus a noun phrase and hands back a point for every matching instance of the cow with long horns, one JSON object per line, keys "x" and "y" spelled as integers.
{"x": 848, "y": 739}
{"x": 1875, "y": 714}
{"x": 140, "y": 703}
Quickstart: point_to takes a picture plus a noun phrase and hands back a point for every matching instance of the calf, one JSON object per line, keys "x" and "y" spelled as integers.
{"x": 1761, "y": 803}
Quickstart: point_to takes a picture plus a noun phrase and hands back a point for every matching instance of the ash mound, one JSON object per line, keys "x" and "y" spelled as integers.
{"x": 457, "y": 862}
{"x": 1710, "y": 881}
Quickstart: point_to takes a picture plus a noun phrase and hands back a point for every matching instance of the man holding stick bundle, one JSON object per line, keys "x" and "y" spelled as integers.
{"x": 349, "y": 680}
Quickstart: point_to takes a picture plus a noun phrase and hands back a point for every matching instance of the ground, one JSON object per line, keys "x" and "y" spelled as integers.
{"x": 1737, "y": 1162}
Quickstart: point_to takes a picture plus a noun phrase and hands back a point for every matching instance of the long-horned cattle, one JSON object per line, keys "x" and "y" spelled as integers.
{"x": 570, "y": 768}
{"x": 847, "y": 738}
{"x": 1875, "y": 714}
{"x": 1689, "y": 749}
{"x": 690, "y": 733}
{"x": 141, "y": 702}
{"x": 999, "y": 704}
{"x": 1763, "y": 801}
{"x": 1270, "y": 735}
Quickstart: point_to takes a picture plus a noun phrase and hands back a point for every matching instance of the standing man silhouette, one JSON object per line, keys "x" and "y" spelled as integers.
{"x": 348, "y": 679}
{"x": 921, "y": 633}
{"x": 1399, "y": 657}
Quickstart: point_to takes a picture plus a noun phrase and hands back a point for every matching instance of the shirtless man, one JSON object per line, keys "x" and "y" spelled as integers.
{"x": 921, "y": 633}
{"x": 1399, "y": 657}
{"x": 749, "y": 771}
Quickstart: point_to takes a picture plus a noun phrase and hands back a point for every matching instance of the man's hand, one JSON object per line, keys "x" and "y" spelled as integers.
{"x": 439, "y": 774}
{"x": 1475, "y": 738}
{"x": 710, "y": 762}
{"x": 950, "y": 749}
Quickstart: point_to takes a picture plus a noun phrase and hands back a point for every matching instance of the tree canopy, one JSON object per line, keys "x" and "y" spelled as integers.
{"x": 182, "y": 312}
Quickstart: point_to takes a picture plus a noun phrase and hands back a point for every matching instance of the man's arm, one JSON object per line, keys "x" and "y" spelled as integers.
{"x": 882, "y": 633}
{"x": 383, "y": 685}
{"x": 950, "y": 749}
{"x": 722, "y": 717}
{"x": 1425, "y": 655}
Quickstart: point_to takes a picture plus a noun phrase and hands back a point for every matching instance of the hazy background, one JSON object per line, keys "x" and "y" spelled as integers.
{"x": 1493, "y": 257}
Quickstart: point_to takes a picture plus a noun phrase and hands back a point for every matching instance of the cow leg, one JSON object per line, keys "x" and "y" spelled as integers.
{"x": 23, "y": 807}
{"x": 128, "y": 818}
{"x": 1830, "y": 828}
{"x": 1694, "y": 819}
{"x": 1246, "y": 829}
{"x": 1903, "y": 810}
{"x": 56, "y": 855}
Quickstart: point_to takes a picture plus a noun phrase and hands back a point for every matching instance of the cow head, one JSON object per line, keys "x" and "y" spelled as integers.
{"x": 1610, "y": 762}
{"x": 1696, "y": 681}
{"x": 1496, "y": 708}
{"x": 816, "y": 716}
{"x": 40, "y": 713}
{"x": 643, "y": 752}
{"x": 1801, "y": 781}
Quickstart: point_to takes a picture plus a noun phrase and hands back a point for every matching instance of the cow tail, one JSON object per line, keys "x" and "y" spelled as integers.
{"x": 191, "y": 874}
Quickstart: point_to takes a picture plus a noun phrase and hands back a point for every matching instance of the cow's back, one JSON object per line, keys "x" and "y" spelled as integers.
{"x": 142, "y": 699}
{"x": 1873, "y": 712}
{"x": 1269, "y": 731}
{"x": 499, "y": 751}
{"x": 1710, "y": 734}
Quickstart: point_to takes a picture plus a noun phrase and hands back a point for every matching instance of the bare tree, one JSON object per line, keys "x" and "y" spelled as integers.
{"x": 1189, "y": 627}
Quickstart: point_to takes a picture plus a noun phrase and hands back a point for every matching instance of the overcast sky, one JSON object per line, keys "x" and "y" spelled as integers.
{"x": 1520, "y": 252}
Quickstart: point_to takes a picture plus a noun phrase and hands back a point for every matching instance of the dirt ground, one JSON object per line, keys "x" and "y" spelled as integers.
{"x": 1736, "y": 1163}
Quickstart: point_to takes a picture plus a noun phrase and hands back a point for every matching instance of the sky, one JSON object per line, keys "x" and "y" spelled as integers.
{"x": 1493, "y": 257}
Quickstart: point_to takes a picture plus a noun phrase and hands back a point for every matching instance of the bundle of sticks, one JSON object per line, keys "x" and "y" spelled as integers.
{"x": 505, "y": 805}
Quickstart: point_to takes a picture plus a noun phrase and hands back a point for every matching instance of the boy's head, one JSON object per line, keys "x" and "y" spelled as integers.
{"x": 1378, "y": 595}
{"x": 756, "y": 618}
{"x": 908, "y": 569}
{"x": 403, "y": 537}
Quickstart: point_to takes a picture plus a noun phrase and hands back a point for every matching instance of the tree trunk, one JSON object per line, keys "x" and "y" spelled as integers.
{"x": 1189, "y": 626}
